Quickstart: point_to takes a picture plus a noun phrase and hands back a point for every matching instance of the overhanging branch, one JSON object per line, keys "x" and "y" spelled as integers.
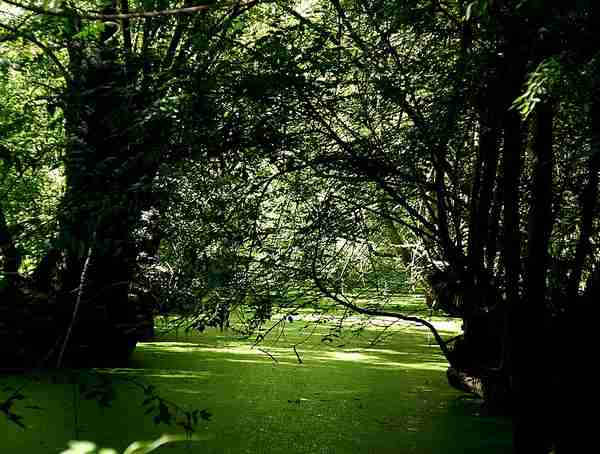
{"x": 32, "y": 39}
{"x": 135, "y": 14}
{"x": 380, "y": 313}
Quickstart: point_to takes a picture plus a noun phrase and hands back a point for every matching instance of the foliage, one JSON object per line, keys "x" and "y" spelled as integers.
{"x": 102, "y": 388}
{"x": 137, "y": 447}
{"x": 542, "y": 83}
{"x": 7, "y": 406}
{"x": 31, "y": 177}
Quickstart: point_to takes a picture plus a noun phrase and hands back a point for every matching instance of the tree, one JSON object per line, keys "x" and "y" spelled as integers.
{"x": 120, "y": 108}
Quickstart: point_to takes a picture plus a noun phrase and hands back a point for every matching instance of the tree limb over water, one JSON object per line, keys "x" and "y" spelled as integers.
{"x": 381, "y": 313}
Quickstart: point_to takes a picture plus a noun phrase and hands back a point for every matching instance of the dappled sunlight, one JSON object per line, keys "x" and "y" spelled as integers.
{"x": 189, "y": 391}
{"x": 445, "y": 324}
{"x": 167, "y": 346}
{"x": 441, "y": 366}
{"x": 432, "y": 345}
{"x": 157, "y": 373}
{"x": 441, "y": 324}
{"x": 347, "y": 356}
{"x": 386, "y": 351}
{"x": 380, "y": 358}
{"x": 190, "y": 347}
{"x": 252, "y": 361}
{"x": 380, "y": 362}
{"x": 210, "y": 354}
{"x": 261, "y": 394}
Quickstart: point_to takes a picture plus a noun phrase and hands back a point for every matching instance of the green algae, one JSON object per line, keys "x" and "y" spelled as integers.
{"x": 351, "y": 397}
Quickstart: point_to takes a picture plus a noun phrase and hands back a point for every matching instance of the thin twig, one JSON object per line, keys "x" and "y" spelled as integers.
{"x": 275, "y": 360}
{"x": 298, "y": 356}
{"x": 76, "y": 308}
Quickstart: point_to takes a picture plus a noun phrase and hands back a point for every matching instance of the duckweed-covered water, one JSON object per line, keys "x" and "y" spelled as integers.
{"x": 347, "y": 396}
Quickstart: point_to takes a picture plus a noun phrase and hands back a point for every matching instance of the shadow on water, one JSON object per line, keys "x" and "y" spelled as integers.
{"x": 387, "y": 398}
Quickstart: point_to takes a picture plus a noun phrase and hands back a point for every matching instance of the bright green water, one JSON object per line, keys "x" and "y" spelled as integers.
{"x": 388, "y": 398}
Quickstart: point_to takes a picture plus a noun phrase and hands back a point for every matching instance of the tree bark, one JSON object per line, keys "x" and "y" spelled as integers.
{"x": 577, "y": 431}
{"x": 589, "y": 198}
{"x": 530, "y": 356}
{"x": 511, "y": 248}
{"x": 485, "y": 171}
{"x": 112, "y": 157}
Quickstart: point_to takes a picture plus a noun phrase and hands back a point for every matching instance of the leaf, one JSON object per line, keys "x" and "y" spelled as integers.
{"x": 16, "y": 419}
{"x": 144, "y": 447}
{"x": 80, "y": 447}
{"x": 90, "y": 395}
{"x": 90, "y": 31}
{"x": 469, "y": 12}
{"x": 149, "y": 390}
{"x": 205, "y": 415}
{"x": 147, "y": 401}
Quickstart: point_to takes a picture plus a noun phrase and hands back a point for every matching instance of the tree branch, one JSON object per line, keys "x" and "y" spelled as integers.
{"x": 136, "y": 14}
{"x": 34, "y": 40}
{"x": 380, "y": 313}
{"x": 310, "y": 24}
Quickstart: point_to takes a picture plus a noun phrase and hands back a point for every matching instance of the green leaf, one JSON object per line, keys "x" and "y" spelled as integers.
{"x": 205, "y": 415}
{"x": 144, "y": 447}
{"x": 147, "y": 401}
{"x": 469, "y": 12}
{"x": 16, "y": 419}
{"x": 80, "y": 447}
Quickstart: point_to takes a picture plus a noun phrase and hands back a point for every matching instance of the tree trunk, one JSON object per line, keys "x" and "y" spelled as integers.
{"x": 577, "y": 431}
{"x": 511, "y": 249}
{"x": 530, "y": 356}
{"x": 485, "y": 171}
{"x": 110, "y": 164}
{"x": 589, "y": 199}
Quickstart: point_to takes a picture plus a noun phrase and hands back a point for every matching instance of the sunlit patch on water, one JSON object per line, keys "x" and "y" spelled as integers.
{"x": 368, "y": 357}
{"x": 348, "y": 356}
{"x": 380, "y": 362}
{"x": 157, "y": 373}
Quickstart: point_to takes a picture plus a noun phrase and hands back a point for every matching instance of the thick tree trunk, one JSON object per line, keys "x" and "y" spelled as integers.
{"x": 491, "y": 250}
{"x": 530, "y": 356}
{"x": 589, "y": 199}
{"x": 577, "y": 431}
{"x": 511, "y": 250}
{"x": 485, "y": 172}
{"x": 110, "y": 163}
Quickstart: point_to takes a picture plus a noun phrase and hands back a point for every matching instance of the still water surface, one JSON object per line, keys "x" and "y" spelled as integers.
{"x": 350, "y": 397}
